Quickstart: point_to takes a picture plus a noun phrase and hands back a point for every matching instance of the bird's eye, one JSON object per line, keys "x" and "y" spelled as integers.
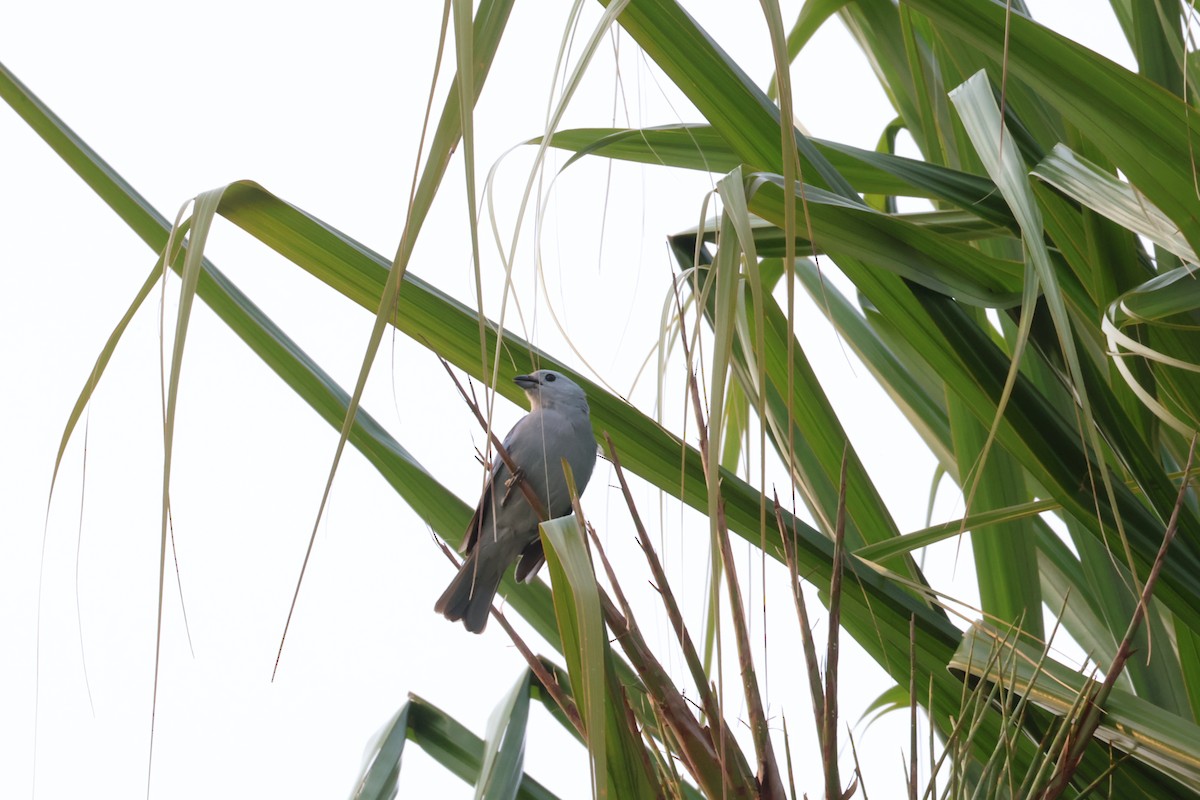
{"x": 551, "y": 377}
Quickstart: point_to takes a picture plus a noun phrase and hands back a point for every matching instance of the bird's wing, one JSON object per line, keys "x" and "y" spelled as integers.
{"x": 483, "y": 509}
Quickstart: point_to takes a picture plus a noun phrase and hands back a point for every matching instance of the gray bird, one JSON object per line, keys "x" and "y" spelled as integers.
{"x": 505, "y": 527}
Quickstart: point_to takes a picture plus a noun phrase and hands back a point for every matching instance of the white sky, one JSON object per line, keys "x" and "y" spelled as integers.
{"x": 322, "y": 107}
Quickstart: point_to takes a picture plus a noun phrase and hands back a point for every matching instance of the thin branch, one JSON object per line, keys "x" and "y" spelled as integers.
{"x": 815, "y": 690}
{"x": 912, "y": 707}
{"x": 517, "y": 473}
{"x": 770, "y": 780}
{"x": 544, "y": 676}
{"x": 829, "y": 748}
{"x": 699, "y": 678}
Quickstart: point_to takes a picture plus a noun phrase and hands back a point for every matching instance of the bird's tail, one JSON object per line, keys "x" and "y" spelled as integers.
{"x": 469, "y": 595}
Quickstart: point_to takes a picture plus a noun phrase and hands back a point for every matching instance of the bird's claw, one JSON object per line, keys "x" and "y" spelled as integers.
{"x": 513, "y": 481}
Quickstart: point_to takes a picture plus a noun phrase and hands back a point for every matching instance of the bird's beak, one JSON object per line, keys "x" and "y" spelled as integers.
{"x": 526, "y": 382}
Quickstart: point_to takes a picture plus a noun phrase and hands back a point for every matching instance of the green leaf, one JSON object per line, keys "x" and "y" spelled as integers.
{"x": 577, "y": 607}
{"x": 1147, "y": 132}
{"x": 504, "y": 746}
{"x": 442, "y": 737}
{"x": 812, "y": 16}
{"x": 1103, "y": 192}
{"x": 454, "y": 747}
{"x": 846, "y": 230}
{"x": 739, "y": 110}
{"x": 701, "y": 147}
{"x": 618, "y": 759}
{"x": 1156, "y": 322}
{"x": 380, "y": 771}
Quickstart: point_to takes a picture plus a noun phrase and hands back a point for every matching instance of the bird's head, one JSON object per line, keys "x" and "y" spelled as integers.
{"x": 549, "y": 389}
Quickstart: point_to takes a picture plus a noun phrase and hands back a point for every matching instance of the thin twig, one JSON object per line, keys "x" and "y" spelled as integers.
{"x": 548, "y": 680}
{"x": 829, "y": 748}
{"x": 912, "y": 707}
{"x": 518, "y": 475}
{"x": 769, "y": 777}
{"x": 696, "y": 744}
{"x": 699, "y": 678}
{"x": 816, "y": 692}
{"x": 544, "y": 676}
{"x": 858, "y": 776}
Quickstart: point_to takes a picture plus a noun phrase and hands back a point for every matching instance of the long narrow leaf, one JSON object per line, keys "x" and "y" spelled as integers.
{"x": 504, "y": 747}
{"x": 454, "y": 746}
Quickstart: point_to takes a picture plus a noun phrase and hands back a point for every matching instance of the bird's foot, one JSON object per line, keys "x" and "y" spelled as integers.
{"x": 513, "y": 482}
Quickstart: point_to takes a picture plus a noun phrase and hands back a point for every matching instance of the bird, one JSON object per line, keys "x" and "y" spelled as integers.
{"x": 504, "y": 529}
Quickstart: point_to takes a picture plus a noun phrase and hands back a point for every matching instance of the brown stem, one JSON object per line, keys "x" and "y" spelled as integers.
{"x": 544, "y": 676}
{"x": 517, "y": 474}
{"x": 829, "y": 748}
{"x": 770, "y": 780}
{"x": 815, "y": 690}
{"x": 696, "y": 744}
{"x": 699, "y": 678}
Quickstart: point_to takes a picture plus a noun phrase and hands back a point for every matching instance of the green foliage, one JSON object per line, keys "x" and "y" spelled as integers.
{"x": 1045, "y": 165}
